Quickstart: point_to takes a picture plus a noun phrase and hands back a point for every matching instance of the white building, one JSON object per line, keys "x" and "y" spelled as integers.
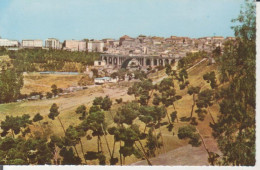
{"x": 75, "y": 45}
{"x": 96, "y": 46}
{"x": 8, "y": 43}
{"x": 32, "y": 43}
{"x": 103, "y": 80}
{"x": 53, "y": 43}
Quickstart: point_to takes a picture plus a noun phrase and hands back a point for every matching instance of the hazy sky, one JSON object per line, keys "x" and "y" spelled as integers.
{"x": 98, "y": 19}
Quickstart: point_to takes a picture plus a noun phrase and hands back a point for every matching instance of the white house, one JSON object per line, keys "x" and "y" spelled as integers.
{"x": 103, "y": 80}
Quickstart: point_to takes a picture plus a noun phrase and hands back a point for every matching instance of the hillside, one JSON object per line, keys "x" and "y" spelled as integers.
{"x": 70, "y": 102}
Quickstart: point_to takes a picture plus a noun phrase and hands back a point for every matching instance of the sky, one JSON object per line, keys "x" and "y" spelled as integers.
{"x": 98, "y": 19}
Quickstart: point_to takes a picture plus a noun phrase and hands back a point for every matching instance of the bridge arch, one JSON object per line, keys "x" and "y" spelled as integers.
{"x": 128, "y": 61}
{"x": 160, "y": 62}
{"x": 115, "y": 61}
{"x": 105, "y": 58}
{"x": 148, "y": 62}
{"x": 155, "y": 62}
{"x": 110, "y": 60}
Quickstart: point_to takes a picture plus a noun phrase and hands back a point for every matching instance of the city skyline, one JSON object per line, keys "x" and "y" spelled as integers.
{"x": 101, "y": 19}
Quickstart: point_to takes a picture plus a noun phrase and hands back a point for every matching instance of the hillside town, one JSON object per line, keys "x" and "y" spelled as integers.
{"x": 125, "y": 45}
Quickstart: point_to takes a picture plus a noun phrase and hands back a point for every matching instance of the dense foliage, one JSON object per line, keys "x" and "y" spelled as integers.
{"x": 51, "y": 60}
{"x": 11, "y": 83}
{"x": 235, "y": 129}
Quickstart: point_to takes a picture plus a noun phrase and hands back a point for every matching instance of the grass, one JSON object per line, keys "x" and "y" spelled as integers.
{"x": 69, "y": 103}
{"x": 35, "y": 82}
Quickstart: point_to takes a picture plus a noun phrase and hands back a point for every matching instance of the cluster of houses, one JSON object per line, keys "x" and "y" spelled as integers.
{"x": 126, "y": 45}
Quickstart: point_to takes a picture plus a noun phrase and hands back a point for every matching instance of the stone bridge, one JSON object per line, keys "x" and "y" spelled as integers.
{"x": 144, "y": 61}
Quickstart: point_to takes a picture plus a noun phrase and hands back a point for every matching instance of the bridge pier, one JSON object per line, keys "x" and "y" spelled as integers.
{"x": 144, "y": 61}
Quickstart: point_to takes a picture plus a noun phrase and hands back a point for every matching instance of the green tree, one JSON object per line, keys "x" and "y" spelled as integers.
{"x": 73, "y": 137}
{"x": 127, "y": 113}
{"x": 37, "y": 118}
{"x": 54, "y": 112}
{"x": 235, "y": 128}
{"x": 205, "y": 100}
{"x": 82, "y": 110}
{"x": 54, "y": 89}
{"x": 69, "y": 157}
{"x": 49, "y": 95}
{"x": 11, "y": 83}
{"x": 189, "y": 132}
{"x": 193, "y": 91}
{"x": 142, "y": 90}
{"x": 15, "y": 124}
{"x": 106, "y": 103}
{"x": 210, "y": 77}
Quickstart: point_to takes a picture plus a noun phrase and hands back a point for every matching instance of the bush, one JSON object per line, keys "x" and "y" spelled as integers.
{"x": 49, "y": 95}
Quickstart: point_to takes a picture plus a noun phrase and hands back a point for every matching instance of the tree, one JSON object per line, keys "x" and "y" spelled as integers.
{"x": 11, "y": 83}
{"x": 69, "y": 157}
{"x": 37, "y": 118}
{"x": 127, "y": 113}
{"x": 14, "y": 124}
{"x": 211, "y": 78}
{"x": 119, "y": 100}
{"x": 98, "y": 101}
{"x": 183, "y": 75}
{"x": 54, "y": 89}
{"x": 168, "y": 94}
{"x": 96, "y": 123}
{"x": 106, "y": 103}
{"x": 152, "y": 143}
{"x": 205, "y": 100}
{"x": 168, "y": 69}
{"x": 193, "y": 91}
{"x": 216, "y": 52}
{"x": 54, "y": 112}
{"x": 189, "y": 132}
{"x": 142, "y": 90}
{"x": 235, "y": 128}
{"x": 73, "y": 137}
{"x": 82, "y": 110}
{"x": 49, "y": 95}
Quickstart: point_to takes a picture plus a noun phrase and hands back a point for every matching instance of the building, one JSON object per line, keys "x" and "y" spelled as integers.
{"x": 96, "y": 46}
{"x": 123, "y": 38}
{"x": 218, "y": 38}
{"x": 32, "y": 43}
{"x": 53, "y": 43}
{"x": 99, "y": 63}
{"x": 103, "y": 80}
{"x": 8, "y": 43}
{"x": 75, "y": 45}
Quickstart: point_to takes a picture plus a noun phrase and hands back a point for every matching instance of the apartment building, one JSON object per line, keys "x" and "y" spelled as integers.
{"x": 32, "y": 43}
{"x": 8, "y": 43}
{"x": 53, "y": 43}
{"x": 75, "y": 45}
{"x": 96, "y": 46}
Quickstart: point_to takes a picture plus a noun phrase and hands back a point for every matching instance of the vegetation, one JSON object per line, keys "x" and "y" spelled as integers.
{"x": 51, "y": 60}
{"x": 235, "y": 128}
{"x": 136, "y": 127}
{"x": 11, "y": 83}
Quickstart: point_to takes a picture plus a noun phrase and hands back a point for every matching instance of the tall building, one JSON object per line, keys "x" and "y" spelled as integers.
{"x": 96, "y": 46}
{"x": 32, "y": 43}
{"x": 53, "y": 43}
{"x": 75, "y": 45}
{"x": 8, "y": 43}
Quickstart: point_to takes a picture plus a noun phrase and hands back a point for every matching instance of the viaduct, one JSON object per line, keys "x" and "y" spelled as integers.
{"x": 144, "y": 61}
